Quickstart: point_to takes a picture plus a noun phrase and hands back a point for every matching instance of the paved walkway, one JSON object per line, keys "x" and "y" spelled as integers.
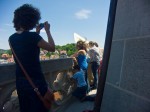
{"x": 74, "y": 105}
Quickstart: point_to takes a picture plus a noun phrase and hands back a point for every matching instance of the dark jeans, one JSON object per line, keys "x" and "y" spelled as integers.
{"x": 87, "y": 81}
{"x": 95, "y": 66}
{"x": 80, "y": 92}
{"x": 28, "y": 99}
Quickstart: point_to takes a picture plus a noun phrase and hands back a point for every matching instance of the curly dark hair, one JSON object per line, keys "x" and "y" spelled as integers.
{"x": 26, "y": 17}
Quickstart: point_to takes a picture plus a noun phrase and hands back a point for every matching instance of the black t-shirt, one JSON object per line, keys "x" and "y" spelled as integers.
{"x": 26, "y": 49}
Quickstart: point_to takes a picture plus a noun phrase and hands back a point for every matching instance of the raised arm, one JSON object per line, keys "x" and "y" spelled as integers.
{"x": 50, "y": 45}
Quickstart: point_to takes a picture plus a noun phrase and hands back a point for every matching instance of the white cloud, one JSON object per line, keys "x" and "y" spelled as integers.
{"x": 83, "y": 14}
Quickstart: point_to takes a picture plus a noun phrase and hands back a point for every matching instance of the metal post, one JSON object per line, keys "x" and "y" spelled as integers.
{"x": 106, "y": 55}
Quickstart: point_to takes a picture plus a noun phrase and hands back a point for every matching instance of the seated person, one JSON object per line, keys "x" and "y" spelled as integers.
{"x": 80, "y": 91}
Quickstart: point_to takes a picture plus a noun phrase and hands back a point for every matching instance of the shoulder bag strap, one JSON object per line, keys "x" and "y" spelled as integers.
{"x": 26, "y": 74}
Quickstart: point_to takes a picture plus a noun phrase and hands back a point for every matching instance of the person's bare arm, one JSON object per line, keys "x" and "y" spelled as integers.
{"x": 83, "y": 52}
{"x": 50, "y": 45}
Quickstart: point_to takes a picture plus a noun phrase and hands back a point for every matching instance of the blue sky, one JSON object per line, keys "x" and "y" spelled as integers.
{"x": 87, "y": 18}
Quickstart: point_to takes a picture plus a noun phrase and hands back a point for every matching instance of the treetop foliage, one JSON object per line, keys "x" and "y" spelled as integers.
{"x": 70, "y": 48}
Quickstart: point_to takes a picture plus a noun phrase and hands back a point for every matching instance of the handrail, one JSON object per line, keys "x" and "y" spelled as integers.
{"x": 50, "y": 68}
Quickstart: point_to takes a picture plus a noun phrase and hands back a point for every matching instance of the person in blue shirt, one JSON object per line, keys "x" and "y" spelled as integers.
{"x": 80, "y": 91}
{"x": 81, "y": 57}
{"x": 26, "y": 45}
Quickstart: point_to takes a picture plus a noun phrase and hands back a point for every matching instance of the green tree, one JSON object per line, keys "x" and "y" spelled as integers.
{"x": 48, "y": 55}
{"x": 70, "y": 48}
{"x": 9, "y": 52}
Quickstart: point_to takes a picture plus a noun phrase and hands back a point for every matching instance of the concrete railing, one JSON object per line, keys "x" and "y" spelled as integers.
{"x": 50, "y": 68}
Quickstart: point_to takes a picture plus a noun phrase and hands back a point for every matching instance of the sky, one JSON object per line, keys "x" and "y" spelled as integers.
{"x": 88, "y": 18}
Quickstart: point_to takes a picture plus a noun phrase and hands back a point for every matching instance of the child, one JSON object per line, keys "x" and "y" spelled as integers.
{"x": 81, "y": 89}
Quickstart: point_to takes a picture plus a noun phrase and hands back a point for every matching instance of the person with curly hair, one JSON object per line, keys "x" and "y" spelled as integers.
{"x": 26, "y": 45}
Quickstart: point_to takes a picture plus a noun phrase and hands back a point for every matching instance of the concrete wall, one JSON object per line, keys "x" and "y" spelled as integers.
{"x": 50, "y": 68}
{"x": 7, "y": 71}
{"x": 128, "y": 78}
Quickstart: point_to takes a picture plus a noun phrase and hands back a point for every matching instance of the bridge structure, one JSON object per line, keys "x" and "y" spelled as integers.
{"x": 124, "y": 83}
{"x": 51, "y": 69}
